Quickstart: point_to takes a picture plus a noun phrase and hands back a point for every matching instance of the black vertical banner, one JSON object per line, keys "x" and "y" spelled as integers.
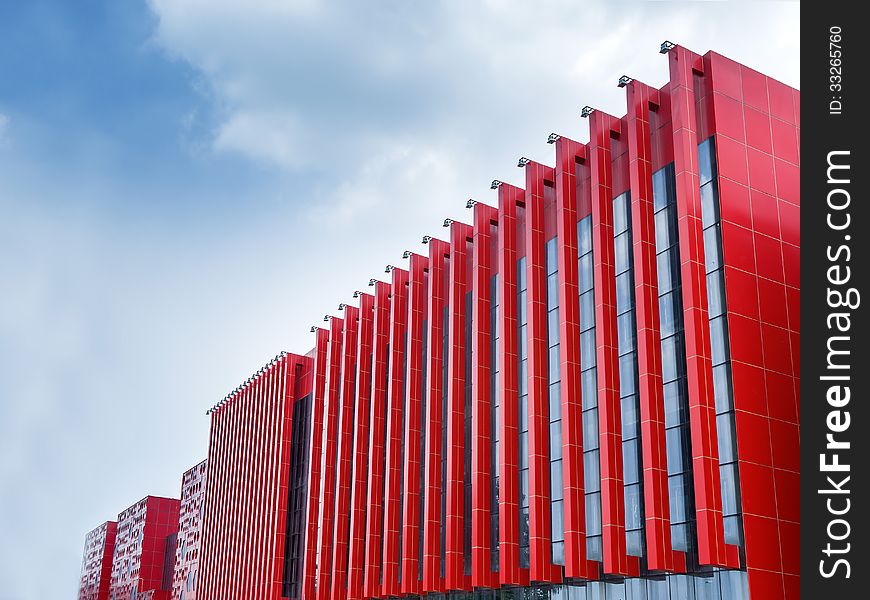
{"x": 835, "y": 257}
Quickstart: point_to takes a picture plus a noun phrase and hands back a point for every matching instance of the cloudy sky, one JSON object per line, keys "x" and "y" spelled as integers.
{"x": 186, "y": 186}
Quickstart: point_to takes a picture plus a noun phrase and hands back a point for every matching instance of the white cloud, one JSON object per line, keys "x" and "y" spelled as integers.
{"x": 4, "y": 124}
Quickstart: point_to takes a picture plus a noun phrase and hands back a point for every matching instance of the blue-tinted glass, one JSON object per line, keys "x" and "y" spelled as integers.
{"x": 677, "y": 496}
{"x": 666, "y": 233}
{"x": 552, "y": 291}
{"x": 555, "y": 397}
{"x": 593, "y": 548}
{"x": 706, "y": 161}
{"x": 666, "y": 272}
{"x": 680, "y": 537}
{"x": 718, "y": 340}
{"x": 553, "y": 327}
{"x": 626, "y": 332}
{"x": 712, "y": 248}
{"x": 633, "y": 509}
{"x": 558, "y": 531}
{"x": 715, "y": 294}
{"x": 587, "y": 310}
{"x": 558, "y": 556}
{"x": 669, "y": 358}
{"x": 556, "y": 486}
{"x": 620, "y": 213}
{"x": 622, "y": 252}
{"x": 627, "y": 375}
{"x": 556, "y": 440}
{"x": 524, "y": 488}
{"x": 590, "y": 429}
{"x": 523, "y": 380}
{"x": 629, "y": 417}
{"x": 591, "y": 475}
{"x": 733, "y": 535}
{"x": 709, "y": 204}
{"x": 623, "y": 292}
{"x": 553, "y": 363}
{"x": 631, "y": 469}
{"x": 706, "y": 588}
{"x": 585, "y": 276}
{"x": 587, "y": 349}
{"x": 728, "y": 476}
{"x": 675, "y": 444}
{"x": 667, "y": 310}
{"x": 589, "y": 388}
{"x": 584, "y": 235}
{"x": 722, "y": 388}
{"x": 552, "y": 259}
{"x": 522, "y": 308}
{"x": 634, "y": 547}
{"x": 593, "y": 514}
{"x": 734, "y": 584}
{"x": 523, "y": 450}
{"x": 521, "y": 274}
{"x": 660, "y": 188}
{"x": 725, "y": 437}
{"x": 674, "y": 408}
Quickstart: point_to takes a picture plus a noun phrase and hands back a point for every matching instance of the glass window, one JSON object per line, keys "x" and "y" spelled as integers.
{"x": 725, "y": 437}
{"x": 666, "y": 233}
{"x": 587, "y": 349}
{"x": 633, "y": 509}
{"x": 523, "y": 450}
{"x": 553, "y": 363}
{"x": 589, "y": 388}
{"x": 677, "y": 497}
{"x": 666, "y": 271}
{"x": 631, "y": 468}
{"x": 674, "y": 440}
{"x": 552, "y": 259}
{"x": 626, "y": 332}
{"x": 623, "y": 292}
{"x": 556, "y": 440}
{"x": 556, "y": 485}
{"x": 555, "y": 395}
{"x": 629, "y": 417}
{"x": 552, "y": 291}
{"x": 669, "y": 358}
{"x": 718, "y": 340}
{"x": 709, "y": 204}
{"x": 591, "y": 475}
{"x": 715, "y": 294}
{"x": 558, "y": 555}
{"x": 523, "y": 380}
{"x": 593, "y": 547}
{"x": 728, "y": 476}
{"x": 522, "y": 308}
{"x": 620, "y": 213}
{"x": 553, "y": 327}
{"x": 587, "y": 310}
{"x": 634, "y": 546}
{"x": 590, "y": 429}
{"x": 712, "y": 248}
{"x": 706, "y": 165}
{"x": 722, "y": 387}
{"x": 734, "y": 584}
{"x": 584, "y": 235}
{"x": 627, "y": 375}
{"x": 521, "y": 273}
{"x": 674, "y": 406}
{"x": 593, "y": 514}
{"x": 622, "y": 252}
{"x": 584, "y": 273}
{"x": 733, "y": 534}
{"x": 558, "y": 531}
{"x": 667, "y": 310}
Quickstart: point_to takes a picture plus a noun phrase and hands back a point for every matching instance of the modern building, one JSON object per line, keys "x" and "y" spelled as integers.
{"x": 143, "y": 564}
{"x": 589, "y": 391}
{"x": 97, "y": 562}
{"x": 187, "y": 548}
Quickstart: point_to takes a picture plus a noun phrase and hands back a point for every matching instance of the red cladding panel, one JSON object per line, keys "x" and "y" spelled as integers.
{"x": 97, "y": 562}
{"x": 187, "y": 549}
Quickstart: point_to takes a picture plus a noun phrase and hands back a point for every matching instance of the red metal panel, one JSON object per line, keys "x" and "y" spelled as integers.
{"x": 439, "y": 266}
{"x": 359, "y": 491}
{"x": 541, "y": 565}
{"x": 510, "y": 572}
{"x": 330, "y": 453}
{"x": 660, "y": 555}
{"x": 97, "y": 562}
{"x": 412, "y": 503}
{"x": 484, "y": 265}
{"x": 338, "y": 581}
{"x": 374, "y": 528}
{"x": 318, "y": 401}
{"x": 702, "y": 412}
{"x": 615, "y": 561}
{"x": 568, "y": 153}
{"x": 460, "y": 236}
{"x": 395, "y": 409}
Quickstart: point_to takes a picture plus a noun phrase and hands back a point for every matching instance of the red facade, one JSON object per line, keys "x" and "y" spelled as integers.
{"x": 593, "y": 384}
{"x": 140, "y": 563}
{"x": 187, "y": 552}
{"x": 97, "y": 562}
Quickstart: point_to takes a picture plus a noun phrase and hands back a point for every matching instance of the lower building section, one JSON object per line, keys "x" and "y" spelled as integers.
{"x": 187, "y": 547}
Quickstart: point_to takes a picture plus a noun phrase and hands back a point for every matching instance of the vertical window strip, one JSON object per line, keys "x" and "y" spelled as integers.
{"x": 719, "y": 349}
{"x": 627, "y": 349}
{"x": 494, "y": 426}
{"x": 675, "y": 385}
{"x": 589, "y": 389}
{"x": 523, "y": 383}
{"x": 557, "y": 492}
